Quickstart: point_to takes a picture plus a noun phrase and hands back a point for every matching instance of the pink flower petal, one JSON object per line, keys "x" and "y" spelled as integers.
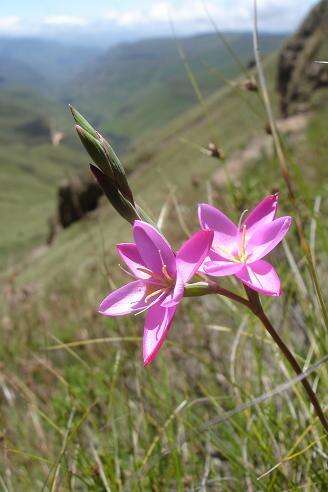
{"x": 153, "y": 248}
{"x": 262, "y": 277}
{"x": 220, "y": 267}
{"x": 158, "y": 322}
{"x": 125, "y": 300}
{"x": 206, "y": 260}
{"x": 263, "y": 213}
{"x": 176, "y": 295}
{"x": 192, "y": 254}
{"x": 225, "y": 231}
{"x": 131, "y": 257}
{"x": 266, "y": 237}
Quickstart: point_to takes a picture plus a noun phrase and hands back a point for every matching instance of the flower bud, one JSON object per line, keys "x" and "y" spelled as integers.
{"x": 119, "y": 202}
{"x": 95, "y": 151}
{"x": 102, "y": 154}
{"x": 108, "y": 170}
{"x": 82, "y": 122}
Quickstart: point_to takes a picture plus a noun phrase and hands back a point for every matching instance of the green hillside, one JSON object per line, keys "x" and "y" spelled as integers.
{"x": 166, "y": 161}
{"x": 30, "y": 112}
{"x": 144, "y": 85}
{"x": 18, "y": 73}
{"x": 150, "y": 428}
{"x": 30, "y": 168}
{"x": 53, "y": 63}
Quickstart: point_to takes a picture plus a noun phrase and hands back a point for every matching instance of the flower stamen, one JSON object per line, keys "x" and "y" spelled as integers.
{"x": 166, "y": 273}
{"x": 126, "y": 271}
{"x": 153, "y": 294}
{"x": 149, "y": 272}
{"x": 242, "y": 218}
{"x": 242, "y": 256}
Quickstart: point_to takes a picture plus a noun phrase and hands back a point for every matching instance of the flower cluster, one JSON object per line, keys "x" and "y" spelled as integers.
{"x": 220, "y": 248}
{"x": 161, "y": 277}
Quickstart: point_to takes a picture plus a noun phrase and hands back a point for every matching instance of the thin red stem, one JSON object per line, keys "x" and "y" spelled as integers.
{"x": 256, "y": 308}
{"x": 253, "y": 303}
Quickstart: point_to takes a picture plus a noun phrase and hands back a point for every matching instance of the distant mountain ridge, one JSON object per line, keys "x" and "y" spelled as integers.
{"x": 51, "y": 63}
{"x": 127, "y": 92}
{"x": 134, "y": 87}
{"x": 129, "y": 88}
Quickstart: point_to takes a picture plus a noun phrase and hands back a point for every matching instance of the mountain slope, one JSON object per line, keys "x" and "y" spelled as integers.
{"x": 144, "y": 85}
{"x": 220, "y": 408}
{"x": 52, "y": 62}
{"x": 169, "y": 159}
{"x": 31, "y": 167}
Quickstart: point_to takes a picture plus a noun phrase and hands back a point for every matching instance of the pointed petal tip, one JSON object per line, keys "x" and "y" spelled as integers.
{"x": 200, "y": 208}
{"x": 264, "y": 212}
{"x": 137, "y": 222}
{"x": 154, "y": 248}
{"x": 261, "y": 277}
{"x": 275, "y": 198}
{"x": 122, "y": 246}
{"x": 288, "y": 222}
{"x": 148, "y": 358}
{"x": 263, "y": 292}
{"x": 100, "y": 310}
{"x": 147, "y": 361}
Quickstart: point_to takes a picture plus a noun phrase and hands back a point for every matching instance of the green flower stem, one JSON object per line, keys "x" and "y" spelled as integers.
{"x": 203, "y": 288}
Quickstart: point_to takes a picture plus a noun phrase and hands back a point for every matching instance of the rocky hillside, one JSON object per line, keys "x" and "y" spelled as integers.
{"x": 299, "y": 76}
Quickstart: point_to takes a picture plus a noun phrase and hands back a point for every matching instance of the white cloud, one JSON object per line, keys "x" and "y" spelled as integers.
{"x": 65, "y": 20}
{"x": 131, "y": 17}
{"x": 189, "y": 16}
{"x": 10, "y": 23}
{"x": 273, "y": 14}
{"x": 159, "y": 12}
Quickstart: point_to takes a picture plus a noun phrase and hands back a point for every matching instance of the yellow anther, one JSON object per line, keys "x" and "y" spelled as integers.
{"x": 242, "y": 218}
{"x": 166, "y": 273}
{"x": 153, "y": 294}
{"x": 242, "y": 256}
{"x": 151, "y": 274}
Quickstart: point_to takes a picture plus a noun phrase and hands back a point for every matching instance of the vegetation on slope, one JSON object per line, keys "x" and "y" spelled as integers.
{"x": 144, "y": 85}
{"x": 44, "y": 65}
{"x": 80, "y": 412}
{"x": 128, "y": 427}
{"x": 29, "y": 161}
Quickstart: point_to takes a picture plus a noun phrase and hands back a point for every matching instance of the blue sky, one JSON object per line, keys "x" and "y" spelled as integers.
{"x": 38, "y": 8}
{"x": 21, "y": 17}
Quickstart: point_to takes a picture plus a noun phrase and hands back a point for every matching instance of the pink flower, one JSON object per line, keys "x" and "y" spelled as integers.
{"x": 160, "y": 277}
{"x": 239, "y": 250}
